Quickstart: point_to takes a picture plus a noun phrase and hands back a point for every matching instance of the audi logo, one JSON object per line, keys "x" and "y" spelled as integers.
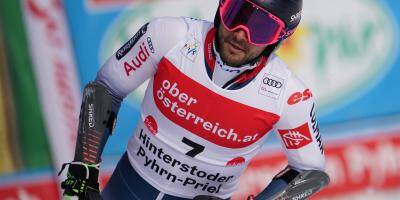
{"x": 272, "y": 82}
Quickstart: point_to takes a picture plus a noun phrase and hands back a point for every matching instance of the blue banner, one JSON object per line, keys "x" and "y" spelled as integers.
{"x": 347, "y": 52}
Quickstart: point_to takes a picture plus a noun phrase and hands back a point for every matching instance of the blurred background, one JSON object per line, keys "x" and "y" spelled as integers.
{"x": 347, "y": 52}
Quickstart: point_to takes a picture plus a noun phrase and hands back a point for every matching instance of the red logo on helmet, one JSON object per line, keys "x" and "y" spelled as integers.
{"x": 151, "y": 124}
{"x": 297, "y": 137}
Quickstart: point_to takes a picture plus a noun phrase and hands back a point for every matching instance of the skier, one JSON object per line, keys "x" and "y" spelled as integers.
{"x": 216, "y": 91}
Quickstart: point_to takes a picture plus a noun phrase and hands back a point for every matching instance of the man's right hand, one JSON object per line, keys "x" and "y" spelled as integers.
{"x": 82, "y": 181}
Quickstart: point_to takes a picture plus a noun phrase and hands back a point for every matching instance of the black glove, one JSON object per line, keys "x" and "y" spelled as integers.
{"x": 81, "y": 182}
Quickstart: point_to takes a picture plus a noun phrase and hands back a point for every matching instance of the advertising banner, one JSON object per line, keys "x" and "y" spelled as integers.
{"x": 42, "y": 187}
{"x": 346, "y": 52}
{"x": 349, "y": 58}
{"x": 26, "y": 131}
{"x": 100, "y": 27}
{"x": 6, "y": 144}
{"x": 351, "y": 164}
{"x": 56, "y": 78}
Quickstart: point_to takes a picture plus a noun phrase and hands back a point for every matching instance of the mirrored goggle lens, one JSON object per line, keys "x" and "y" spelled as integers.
{"x": 262, "y": 27}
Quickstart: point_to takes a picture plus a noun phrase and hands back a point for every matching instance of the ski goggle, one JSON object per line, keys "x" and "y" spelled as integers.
{"x": 262, "y": 27}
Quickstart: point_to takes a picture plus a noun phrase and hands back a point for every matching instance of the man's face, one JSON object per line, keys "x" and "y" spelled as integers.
{"x": 234, "y": 48}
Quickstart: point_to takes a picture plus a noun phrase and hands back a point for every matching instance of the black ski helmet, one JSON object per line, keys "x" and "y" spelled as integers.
{"x": 289, "y": 11}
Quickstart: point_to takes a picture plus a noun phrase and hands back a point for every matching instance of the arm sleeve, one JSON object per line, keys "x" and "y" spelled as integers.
{"x": 298, "y": 128}
{"x": 123, "y": 72}
{"x": 137, "y": 59}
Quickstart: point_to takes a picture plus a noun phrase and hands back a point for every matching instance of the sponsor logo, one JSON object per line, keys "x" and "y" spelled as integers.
{"x": 151, "y": 124}
{"x": 138, "y": 61}
{"x": 236, "y": 161}
{"x": 197, "y": 110}
{"x": 297, "y": 137}
{"x": 271, "y": 86}
{"x": 128, "y": 45}
{"x": 295, "y": 16}
{"x": 272, "y": 82}
{"x": 132, "y": 18}
{"x": 91, "y": 115}
{"x": 190, "y": 49}
{"x": 209, "y": 51}
{"x": 150, "y": 44}
{"x": 315, "y": 129}
{"x": 299, "y": 96}
{"x": 302, "y": 195}
{"x": 181, "y": 108}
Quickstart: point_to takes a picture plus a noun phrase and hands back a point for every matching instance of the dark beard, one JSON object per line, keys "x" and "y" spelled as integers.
{"x": 219, "y": 49}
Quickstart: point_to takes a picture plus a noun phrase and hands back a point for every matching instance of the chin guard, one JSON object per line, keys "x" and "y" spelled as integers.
{"x": 96, "y": 123}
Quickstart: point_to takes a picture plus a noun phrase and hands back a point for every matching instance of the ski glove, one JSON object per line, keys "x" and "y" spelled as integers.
{"x": 82, "y": 181}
